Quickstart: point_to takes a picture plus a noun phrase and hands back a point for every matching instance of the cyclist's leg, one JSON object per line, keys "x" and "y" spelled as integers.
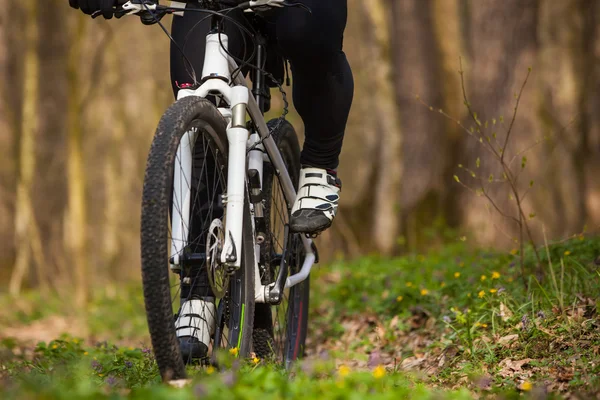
{"x": 323, "y": 91}
{"x": 323, "y": 83}
{"x": 189, "y": 31}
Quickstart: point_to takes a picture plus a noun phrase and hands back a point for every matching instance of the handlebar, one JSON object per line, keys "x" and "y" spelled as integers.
{"x": 144, "y": 7}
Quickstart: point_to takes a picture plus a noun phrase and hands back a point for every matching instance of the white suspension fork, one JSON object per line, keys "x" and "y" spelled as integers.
{"x": 237, "y": 136}
{"x": 182, "y": 181}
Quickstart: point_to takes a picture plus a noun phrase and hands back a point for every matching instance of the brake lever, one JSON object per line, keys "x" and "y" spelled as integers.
{"x": 130, "y": 7}
{"x": 260, "y": 5}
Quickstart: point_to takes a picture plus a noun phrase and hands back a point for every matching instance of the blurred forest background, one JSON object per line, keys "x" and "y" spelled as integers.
{"x": 80, "y": 99}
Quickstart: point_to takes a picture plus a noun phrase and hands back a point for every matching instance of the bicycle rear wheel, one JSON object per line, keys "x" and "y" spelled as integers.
{"x": 175, "y": 186}
{"x": 280, "y": 330}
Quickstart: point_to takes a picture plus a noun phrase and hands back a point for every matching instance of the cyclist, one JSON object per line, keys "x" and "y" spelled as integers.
{"x": 323, "y": 89}
{"x": 322, "y": 86}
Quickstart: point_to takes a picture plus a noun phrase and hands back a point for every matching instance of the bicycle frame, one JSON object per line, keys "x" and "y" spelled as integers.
{"x": 217, "y": 79}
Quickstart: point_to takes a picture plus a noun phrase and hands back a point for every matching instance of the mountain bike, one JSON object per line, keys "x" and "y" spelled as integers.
{"x": 219, "y": 186}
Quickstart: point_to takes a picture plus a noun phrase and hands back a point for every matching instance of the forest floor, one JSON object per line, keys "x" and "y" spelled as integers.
{"x": 453, "y": 323}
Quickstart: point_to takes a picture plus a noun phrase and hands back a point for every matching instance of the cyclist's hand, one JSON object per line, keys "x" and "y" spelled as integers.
{"x": 91, "y": 6}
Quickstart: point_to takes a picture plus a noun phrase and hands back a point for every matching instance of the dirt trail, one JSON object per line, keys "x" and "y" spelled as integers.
{"x": 45, "y": 330}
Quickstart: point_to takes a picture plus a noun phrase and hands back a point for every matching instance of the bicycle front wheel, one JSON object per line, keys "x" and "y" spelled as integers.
{"x": 184, "y": 181}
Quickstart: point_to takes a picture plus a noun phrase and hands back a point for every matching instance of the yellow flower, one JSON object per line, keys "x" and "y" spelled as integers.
{"x": 468, "y": 294}
{"x": 379, "y": 372}
{"x": 130, "y": 348}
{"x": 234, "y": 351}
{"x": 100, "y": 374}
{"x": 424, "y": 292}
{"x": 484, "y": 325}
{"x": 76, "y": 341}
{"x": 510, "y": 279}
{"x": 409, "y": 284}
{"x": 54, "y": 346}
{"x": 567, "y": 253}
{"x": 495, "y": 275}
{"x": 526, "y": 386}
{"x": 399, "y": 299}
{"x": 481, "y": 294}
{"x": 85, "y": 353}
{"x": 457, "y": 274}
{"x": 256, "y": 360}
{"x": 483, "y": 278}
{"x": 514, "y": 252}
{"x": 343, "y": 370}
{"x": 493, "y": 290}
{"x": 210, "y": 370}
{"x": 443, "y": 284}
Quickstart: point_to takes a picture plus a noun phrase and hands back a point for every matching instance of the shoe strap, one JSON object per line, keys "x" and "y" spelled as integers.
{"x": 319, "y": 192}
{"x": 318, "y": 176}
{"x": 196, "y": 317}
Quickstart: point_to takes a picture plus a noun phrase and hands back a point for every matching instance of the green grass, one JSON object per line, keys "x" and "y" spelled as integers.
{"x": 65, "y": 369}
{"x": 454, "y": 323}
{"x": 472, "y": 315}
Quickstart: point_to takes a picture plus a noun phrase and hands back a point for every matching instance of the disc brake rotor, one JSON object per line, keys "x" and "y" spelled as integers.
{"x": 217, "y": 273}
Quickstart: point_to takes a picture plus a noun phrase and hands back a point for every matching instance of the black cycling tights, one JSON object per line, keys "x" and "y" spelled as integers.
{"x": 322, "y": 80}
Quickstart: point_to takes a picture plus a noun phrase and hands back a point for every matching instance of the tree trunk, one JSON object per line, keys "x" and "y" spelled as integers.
{"x": 449, "y": 40}
{"x": 502, "y": 41}
{"x": 76, "y": 215}
{"x": 386, "y": 188}
{"x": 27, "y": 239}
{"x": 51, "y": 151}
{"x": 8, "y": 138}
{"x": 114, "y": 178}
{"x": 426, "y": 43}
{"x": 566, "y": 28}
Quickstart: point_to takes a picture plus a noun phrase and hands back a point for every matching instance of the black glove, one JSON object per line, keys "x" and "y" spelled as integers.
{"x": 91, "y": 6}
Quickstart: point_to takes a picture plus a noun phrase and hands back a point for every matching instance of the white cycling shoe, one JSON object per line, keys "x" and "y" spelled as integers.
{"x": 317, "y": 201}
{"x": 195, "y": 325}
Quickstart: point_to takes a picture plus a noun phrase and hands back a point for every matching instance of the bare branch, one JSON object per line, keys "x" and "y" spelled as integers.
{"x": 514, "y": 117}
{"x": 487, "y": 196}
{"x": 457, "y": 122}
{"x": 520, "y": 153}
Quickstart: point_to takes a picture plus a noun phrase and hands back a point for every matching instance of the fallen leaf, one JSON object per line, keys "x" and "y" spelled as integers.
{"x": 448, "y": 354}
{"x": 510, "y": 367}
{"x": 374, "y": 359}
{"x": 504, "y": 340}
{"x": 485, "y": 382}
{"x": 505, "y": 312}
{"x": 412, "y": 362}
